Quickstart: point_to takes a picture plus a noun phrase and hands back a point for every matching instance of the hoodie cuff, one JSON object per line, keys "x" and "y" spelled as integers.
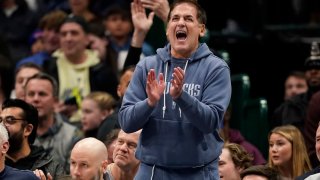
{"x": 185, "y": 100}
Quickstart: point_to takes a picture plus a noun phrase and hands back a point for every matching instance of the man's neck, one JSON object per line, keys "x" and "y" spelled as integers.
{"x": 77, "y": 58}
{"x": 119, "y": 174}
{"x": 44, "y": 124}
{"x": 24, "y": 152}
{"x": 2, "y": 165}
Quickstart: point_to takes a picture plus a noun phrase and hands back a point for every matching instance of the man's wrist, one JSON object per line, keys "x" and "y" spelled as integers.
{"x": 150, "y": 103}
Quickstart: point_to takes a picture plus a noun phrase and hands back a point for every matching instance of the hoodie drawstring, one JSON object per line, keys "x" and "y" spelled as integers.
{"x": 152, "y": 173}
{"x": 164, "y": 91}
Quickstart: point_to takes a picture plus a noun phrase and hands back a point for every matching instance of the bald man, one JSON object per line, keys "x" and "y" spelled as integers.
{"x": 88, "y": 160}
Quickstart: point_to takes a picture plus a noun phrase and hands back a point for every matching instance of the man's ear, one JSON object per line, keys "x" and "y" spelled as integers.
{"x": 28, "y": 130}
{"x": 5, "y": 147}
{"x": 119, "y": 90}
{"x": 104, "y": 165}
{"x": 202, "y": 30}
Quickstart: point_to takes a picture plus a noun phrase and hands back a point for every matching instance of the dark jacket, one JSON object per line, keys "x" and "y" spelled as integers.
{"x": 38, "y": 159}
{"x": 292, "y": 111}
{"x": 111, "y": 122}
{"x": 9, "y": 173}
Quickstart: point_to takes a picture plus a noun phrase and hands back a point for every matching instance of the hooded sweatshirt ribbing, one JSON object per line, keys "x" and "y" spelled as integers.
{"x": 186, "y": 134}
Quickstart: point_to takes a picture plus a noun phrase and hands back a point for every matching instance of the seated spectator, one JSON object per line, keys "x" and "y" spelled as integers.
{"x": 21, "y": 120}
{"x": 77, "y": 69}
{"x": 95, "y": 108}
{"x": 232, "y": 161}
{"x": 125, "y": 164}
{"x": 7, "y": 172}
{"x": 287, "y": 152}
{"x": 22, "y": 74}
{"x": 88, "y": 160}
{"x": 110, "y": 142}
{"x": 295, "y": 84}
{"x": 53, "y": 133}
{"x": 231, "y": 135}
{"x": 260, "y": 172}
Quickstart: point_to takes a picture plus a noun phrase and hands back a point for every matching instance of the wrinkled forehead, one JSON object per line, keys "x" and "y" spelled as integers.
{"x": 188, "y": 9}
{"x": 131, "y": 137}
{"x": 71, "y": 26}
{"x": 82, "y": 155}
{"x": 27, "y": 72}
{"x": 12, "y": 111}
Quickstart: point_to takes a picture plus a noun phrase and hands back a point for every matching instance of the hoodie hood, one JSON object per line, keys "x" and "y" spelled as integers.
{"x": 202, "y": 52}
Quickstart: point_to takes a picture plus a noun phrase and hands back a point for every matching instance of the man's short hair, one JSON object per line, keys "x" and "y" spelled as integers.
{"x": 261, "y": 170}
{"x": 53, "y": 20}
{"x": 78, "y": 20}
{"x": 201, "y": 13}
{"x": 52, "y": 80}
{"x": 123, "y": 12}
{"x": 30, "y": 114}
{"x": 27, "y": 65}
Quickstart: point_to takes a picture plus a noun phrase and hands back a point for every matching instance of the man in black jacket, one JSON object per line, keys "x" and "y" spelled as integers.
{"x": 21, "y": 121}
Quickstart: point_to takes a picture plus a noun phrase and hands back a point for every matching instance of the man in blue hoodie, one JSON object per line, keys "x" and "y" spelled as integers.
{"x": 181, "y": 111}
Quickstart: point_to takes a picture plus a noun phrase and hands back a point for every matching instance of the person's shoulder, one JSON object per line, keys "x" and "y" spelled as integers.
{"x": 13, "y": 173}
{"x": 208, "y": 56}
{"x": 312, "y": 172}
{"x": 150, "y": 61}
{"x": 64, "y": 124}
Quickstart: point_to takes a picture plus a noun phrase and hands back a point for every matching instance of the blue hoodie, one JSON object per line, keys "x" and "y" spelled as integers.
{"x": 181, "y": 133}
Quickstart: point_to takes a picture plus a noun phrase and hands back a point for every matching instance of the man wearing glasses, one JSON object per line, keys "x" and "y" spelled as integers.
{"x": 7, "y": 172}
{"x": 21, "y": 121}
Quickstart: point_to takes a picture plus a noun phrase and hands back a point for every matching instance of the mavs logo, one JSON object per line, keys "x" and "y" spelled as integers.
{"x": 192, "y": 89}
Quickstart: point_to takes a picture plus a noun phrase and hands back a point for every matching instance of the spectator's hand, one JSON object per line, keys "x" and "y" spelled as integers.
{"x": 177, "y": 83}
{"x": 39, "y": 173}
{"x": 141, "y": 23}
{"x": 154, "y": 88}
{"x": 159, "y": 7}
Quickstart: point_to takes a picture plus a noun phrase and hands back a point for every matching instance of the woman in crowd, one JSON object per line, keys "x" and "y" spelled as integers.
{"x": 95, "y": 107}
{"x": 287, "y": 152}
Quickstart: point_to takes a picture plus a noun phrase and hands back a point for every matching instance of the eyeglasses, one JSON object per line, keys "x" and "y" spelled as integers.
{"x": 9, "y": 120}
